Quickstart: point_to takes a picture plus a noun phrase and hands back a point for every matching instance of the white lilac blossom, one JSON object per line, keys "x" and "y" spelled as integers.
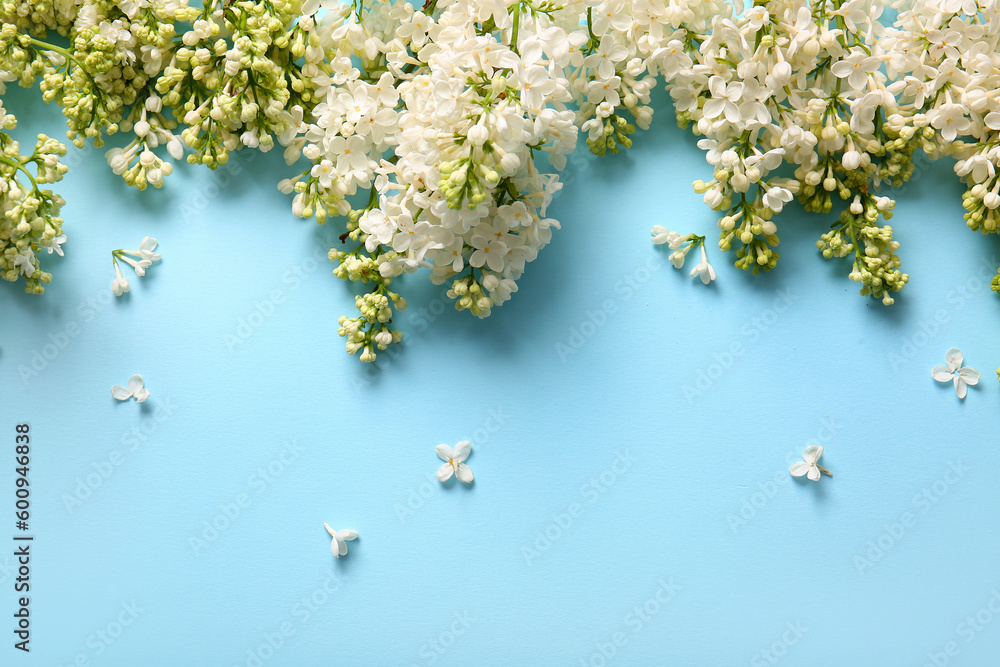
{"x": 703, "y": 269}
{"x": 135, "y": 389}
{"x": 810, "y": 466}
{"x": 338, "y": 546}
{"x": 798, "y": 83}
{"x": 953, "y": 371}
{"x": 139, "y": 260}
{"x": 29, "y": 212}
{"x": 120, "y": 284}
{"x": 435, "y": 132}
{"x": 55, "y": 246}
{"x": 454, "y": 462}
{"x": 681, "y": 244}
{"x": 479, "y": 104}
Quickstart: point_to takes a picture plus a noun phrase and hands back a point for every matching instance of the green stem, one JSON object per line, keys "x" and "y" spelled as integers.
{"x": 517, "y": 25}
{"x": 66, "y": 54}
{"x": 52, "y": 47}
{"x": 17, "y": 165}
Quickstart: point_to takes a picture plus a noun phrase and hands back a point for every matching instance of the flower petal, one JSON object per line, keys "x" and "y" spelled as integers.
{"x": 141, "y": 395}
{"x": 942, "y": 373}
{"x": 464, "y": 473}
{"x": 347, "y": 535}
{"x": 121, "y": 393}
{"x": 335, "y": 548}
{"x": 445, "y": 472}
{"x": 812, "y": 453}
{"x": 462, "y": 450}
{"x": 798, "y": 468}
{"x": 342, "y": 546}
{"x": 953, "y": 358}
{"x": 134, "y": 384}
{"x": 969, "y": 375}
{"x": 961, "y": 389}
{"x": 444, "y": 452}
{"x": 813, "y": 473}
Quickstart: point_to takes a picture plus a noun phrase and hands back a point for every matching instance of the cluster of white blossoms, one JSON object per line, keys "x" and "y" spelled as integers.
{"x": 455, "y": 116}
{"x": 436, "y": 132}
{"x": 29, "y": 213}
{"x": 800, "y": 84}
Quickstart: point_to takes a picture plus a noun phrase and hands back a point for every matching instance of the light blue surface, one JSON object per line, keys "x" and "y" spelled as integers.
{"x": 651, "y": 432}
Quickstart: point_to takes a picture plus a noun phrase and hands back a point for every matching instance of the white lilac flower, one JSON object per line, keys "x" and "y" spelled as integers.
{"x": 338, "y": 547}
{"x": 139, "y": 260}
{"x": 703, "y": 269}
{"x": 468, "y": 97}
{"x": 454, "y": 462}
{"x": 25, "y": 262}
{"x": 810, "y": 466}
{"x": 662, "y": 235}
{"x": 856, "y": 68}
{"x": 953, "y": 371}
{"x": 139, "y": 266}
{"x": 135, "y": 389}
{"x": 776, "y": 197}
{"x": 120, "y": 284}
{"x": 146, "y": 248}
{"x": 56, "y": 245}
{"x": 678, "y": 257}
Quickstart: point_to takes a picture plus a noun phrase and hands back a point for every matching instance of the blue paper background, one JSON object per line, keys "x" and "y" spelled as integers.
{"x": 669, "y": 450}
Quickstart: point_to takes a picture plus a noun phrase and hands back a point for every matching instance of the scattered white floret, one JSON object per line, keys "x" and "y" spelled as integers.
{"x": 139, "y": 260}
{"x": 454, "y": 462}
{"x": 962, "y": 376}
{"x": 135, "y": 389}
{"x": 810, "y": 466}
{"x": 340, "y": 539}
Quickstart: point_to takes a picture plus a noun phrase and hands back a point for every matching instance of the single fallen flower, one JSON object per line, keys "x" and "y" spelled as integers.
{"x": 338, "y": 547}
{"x": 810, "y": 466}
{"x": 955, "y": 372}
{"x": 140, "y": 260}
{"x": 454, "y": 462}
{"x": 135, "y": 388}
